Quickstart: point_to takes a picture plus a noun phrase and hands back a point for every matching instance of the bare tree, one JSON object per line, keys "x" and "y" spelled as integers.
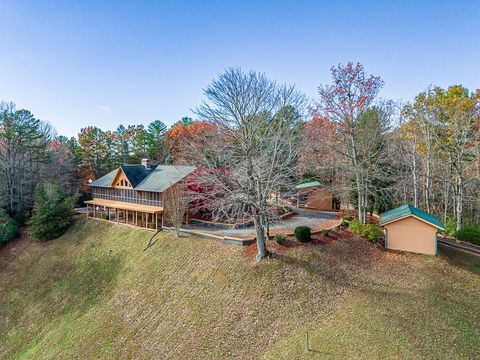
{"x": 344, "y": 103}
{"x": 175, "y": 202}
{"x": 253, "y": 154}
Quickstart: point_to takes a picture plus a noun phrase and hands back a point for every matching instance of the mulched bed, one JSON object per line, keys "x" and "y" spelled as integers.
{"x": 291, "y": 242}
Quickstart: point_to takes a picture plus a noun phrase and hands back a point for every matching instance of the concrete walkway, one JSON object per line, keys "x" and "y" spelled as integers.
{"x": 310, "y": 218}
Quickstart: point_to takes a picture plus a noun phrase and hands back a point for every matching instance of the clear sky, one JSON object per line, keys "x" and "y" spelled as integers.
{"x": 103, "y": 63}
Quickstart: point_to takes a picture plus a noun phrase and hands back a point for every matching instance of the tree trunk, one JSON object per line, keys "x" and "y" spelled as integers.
{"x": 414, "y": 173}
{"x": 459, "y": 202}
{"x": 445, "y": 198}
{"x": 427, "y": 185}
{"x": 260, "y": 232}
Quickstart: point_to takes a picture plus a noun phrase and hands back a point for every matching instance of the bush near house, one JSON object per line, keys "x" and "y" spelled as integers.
{"x": 346, "y": 221}
{"x": 280, "y": 239}
{"x": 52, "y": 214}
{"x": 303, "y": 234}
{"x": 8, "y": 228}
{"x": 450, "y": 226}
{"x": 469, "y": 234}
{"x": 370, "y": 231}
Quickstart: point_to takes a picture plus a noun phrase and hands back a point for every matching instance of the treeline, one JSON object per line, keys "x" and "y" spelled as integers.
{"x": 373, "y": 153}
{"x": 43, "y": 174}
{"x": 377, "y": 154}
{"x": 98, "y": 151}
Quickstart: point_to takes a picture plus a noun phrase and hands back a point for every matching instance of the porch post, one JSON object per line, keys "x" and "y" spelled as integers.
{"x": 116, "y": 214}
{"x": 156, "y": 221}
{"x": 136, "y": 218}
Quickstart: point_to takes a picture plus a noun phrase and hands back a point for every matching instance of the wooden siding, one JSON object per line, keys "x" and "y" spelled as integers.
{"x": 128, "y": 196}
{"x": 120, "y": 181}
{"x": 316, "y": 198}
{"x": 412, "y": 235}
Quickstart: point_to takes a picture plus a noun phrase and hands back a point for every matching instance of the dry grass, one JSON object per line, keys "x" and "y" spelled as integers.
{"x": 95, "y": 294}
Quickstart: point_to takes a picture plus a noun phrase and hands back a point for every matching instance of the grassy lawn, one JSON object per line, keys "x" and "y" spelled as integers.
{"x": 94, "y": 293}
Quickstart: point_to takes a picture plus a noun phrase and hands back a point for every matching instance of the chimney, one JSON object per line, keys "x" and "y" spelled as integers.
{"x": 146, "y": 163}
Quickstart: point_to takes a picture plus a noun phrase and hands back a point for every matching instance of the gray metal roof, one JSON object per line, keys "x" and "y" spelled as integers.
{"x": 106, "y": 180}
{"x": 164, "y": 176}
{"x": 158, "y": 179}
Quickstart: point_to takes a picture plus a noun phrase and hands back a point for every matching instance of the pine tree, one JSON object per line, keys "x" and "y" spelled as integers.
{"x": 52, "y": 214}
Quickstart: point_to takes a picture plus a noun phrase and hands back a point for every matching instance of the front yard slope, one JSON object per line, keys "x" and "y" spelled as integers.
{"x": 94, "y": 293}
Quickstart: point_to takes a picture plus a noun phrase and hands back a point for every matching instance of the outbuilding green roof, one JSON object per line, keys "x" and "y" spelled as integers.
{"x": 307, "y": 185}
{"x": 409, "y": 210}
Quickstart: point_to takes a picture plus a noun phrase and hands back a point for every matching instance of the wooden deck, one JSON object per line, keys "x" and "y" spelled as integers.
{"x": 137, "y": 215}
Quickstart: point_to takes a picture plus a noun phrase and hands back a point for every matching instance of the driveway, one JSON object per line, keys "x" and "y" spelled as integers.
{"x": 311, "y": 218}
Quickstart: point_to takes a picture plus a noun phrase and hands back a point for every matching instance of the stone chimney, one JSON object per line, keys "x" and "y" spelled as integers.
{"x": 146, "y": 163}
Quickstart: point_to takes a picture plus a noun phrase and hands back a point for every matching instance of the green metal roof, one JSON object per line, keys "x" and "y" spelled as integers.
{"x": 157, "y": 179}
{"x": 307, "y": 185}
{"x": 409, "y": 210}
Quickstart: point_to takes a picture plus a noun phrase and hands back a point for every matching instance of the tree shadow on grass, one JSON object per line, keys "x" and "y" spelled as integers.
{"x": 461, "y": 259}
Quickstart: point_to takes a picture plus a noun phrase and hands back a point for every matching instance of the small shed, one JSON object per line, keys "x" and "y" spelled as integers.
{"x": 410, "y": 229}
{"x": 313, "y": 195}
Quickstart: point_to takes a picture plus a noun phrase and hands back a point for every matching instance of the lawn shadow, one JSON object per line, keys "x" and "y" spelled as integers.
{"x": 459, "y": 258}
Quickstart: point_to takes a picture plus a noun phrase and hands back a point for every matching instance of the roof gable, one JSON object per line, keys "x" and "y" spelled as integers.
{"x": 406, "y": 211}
{"x": 121, "y": 180}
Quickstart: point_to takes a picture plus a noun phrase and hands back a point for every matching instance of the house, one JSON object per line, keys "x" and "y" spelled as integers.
{"x": 132, "y": 194}
{"x": 313, "y": 196}
{"x": 410, "y": 229}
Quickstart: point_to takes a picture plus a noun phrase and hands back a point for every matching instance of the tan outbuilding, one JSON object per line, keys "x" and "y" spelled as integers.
{"x": 312, "y": 195}
{"x": 410, "y": 229}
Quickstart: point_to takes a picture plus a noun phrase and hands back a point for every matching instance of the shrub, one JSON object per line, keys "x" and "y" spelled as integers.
{"x": 371, "y": 231}
{"x": 8, "y": 228}
{"x": 346, "y": 220}
{"x": 303, "y": 234}
{"x": 469, "y": 234}
{"x": 52, "y": 214}
{"x": 280, "y": 239}
{"x": 450, "y": 226}
{"x": 325, "y": 232}
{"x": 356, "y": 227}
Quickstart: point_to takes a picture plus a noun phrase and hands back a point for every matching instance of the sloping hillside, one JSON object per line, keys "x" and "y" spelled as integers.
{"x": 95, "y": 294}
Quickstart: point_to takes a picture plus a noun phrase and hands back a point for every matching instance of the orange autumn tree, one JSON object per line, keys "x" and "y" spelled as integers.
{"x": 318, "y": 152}
{"x": 182, "y": 135}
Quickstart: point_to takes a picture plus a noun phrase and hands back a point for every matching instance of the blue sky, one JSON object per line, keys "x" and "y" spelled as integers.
{"x": 105, "y": 63}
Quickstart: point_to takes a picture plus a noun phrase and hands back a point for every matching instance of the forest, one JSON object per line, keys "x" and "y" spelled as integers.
{"x": 374, "y": 153}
